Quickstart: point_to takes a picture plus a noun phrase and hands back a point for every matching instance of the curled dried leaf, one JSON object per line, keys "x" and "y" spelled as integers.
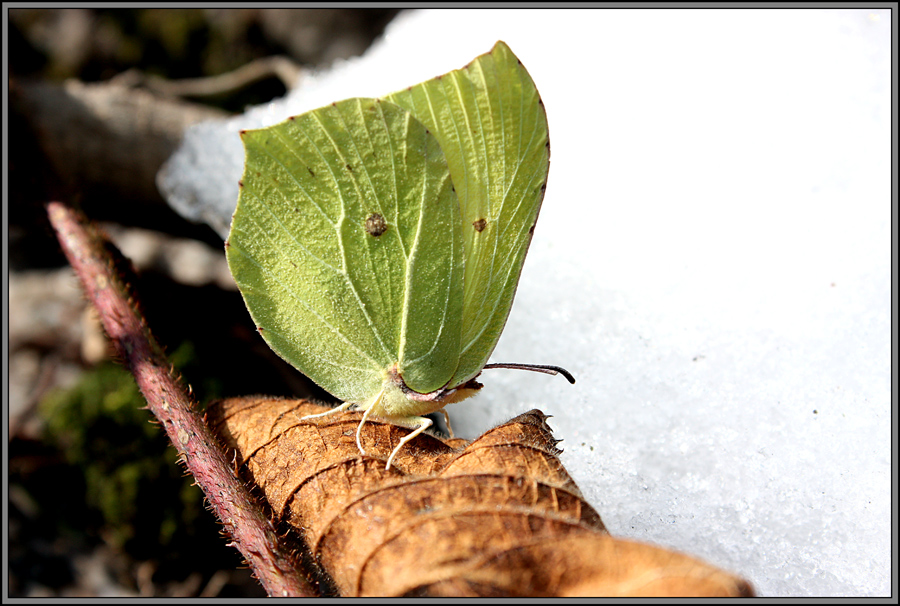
{"x": 498, "y": 516}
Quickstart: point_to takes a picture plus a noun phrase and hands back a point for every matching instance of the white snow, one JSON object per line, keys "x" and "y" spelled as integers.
{"x": 712, "y": 262}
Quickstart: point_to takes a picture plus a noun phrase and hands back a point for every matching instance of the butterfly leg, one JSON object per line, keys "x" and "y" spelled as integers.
{"x": 359, "y": 429}
{"x": 447, "y": 420}
{"x": 340, "y": 408}
{"x": 418, "y": 424}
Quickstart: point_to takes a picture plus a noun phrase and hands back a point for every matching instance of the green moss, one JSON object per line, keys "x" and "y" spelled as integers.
{"x": 137, "y": 496}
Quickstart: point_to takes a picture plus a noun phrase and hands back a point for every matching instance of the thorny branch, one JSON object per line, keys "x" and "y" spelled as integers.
{"x": 92, "y": 258}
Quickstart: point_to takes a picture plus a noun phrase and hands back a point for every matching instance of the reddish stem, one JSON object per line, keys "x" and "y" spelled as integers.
{"x": 246, "y": 524}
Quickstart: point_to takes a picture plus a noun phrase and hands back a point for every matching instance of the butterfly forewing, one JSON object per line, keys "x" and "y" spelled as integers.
{"x": 491, "y": 124}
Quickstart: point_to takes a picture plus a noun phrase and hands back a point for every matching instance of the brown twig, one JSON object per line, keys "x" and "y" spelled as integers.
{"x": 245, "y": 523}
{"x": 278, "y": 66}
{"x": 44, "y": 381}
{"x": 103, "y": 141}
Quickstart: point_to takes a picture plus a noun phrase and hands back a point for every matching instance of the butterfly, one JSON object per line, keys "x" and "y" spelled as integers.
{"x": 378, "y": 243}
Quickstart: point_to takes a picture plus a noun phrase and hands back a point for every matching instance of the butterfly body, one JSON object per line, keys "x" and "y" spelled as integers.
{"x": 396, "y": 400}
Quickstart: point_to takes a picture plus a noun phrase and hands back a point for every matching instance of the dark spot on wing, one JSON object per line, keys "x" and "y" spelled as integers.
{"x": 375, "y": 225}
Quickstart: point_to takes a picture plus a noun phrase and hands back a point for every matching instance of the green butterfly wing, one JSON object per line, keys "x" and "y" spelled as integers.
{"x": 375, "y": 238}
{"x": 489, "y": 120}
{"x": 346, "y": 247}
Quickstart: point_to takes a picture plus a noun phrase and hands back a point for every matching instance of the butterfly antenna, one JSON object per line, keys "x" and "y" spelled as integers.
{"x": 546, "y": 369}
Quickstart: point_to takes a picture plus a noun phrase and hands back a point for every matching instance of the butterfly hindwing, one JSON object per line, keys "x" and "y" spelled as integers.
{"x": 346, "y": 247}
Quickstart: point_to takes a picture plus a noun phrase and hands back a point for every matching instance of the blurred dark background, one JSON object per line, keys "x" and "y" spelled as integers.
{"x": 98, "y": 505}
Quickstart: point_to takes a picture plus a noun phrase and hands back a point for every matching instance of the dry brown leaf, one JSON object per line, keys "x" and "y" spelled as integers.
{"x": 499, "y": 516}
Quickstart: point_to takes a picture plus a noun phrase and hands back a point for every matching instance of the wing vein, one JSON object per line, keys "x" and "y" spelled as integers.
{"x": 341, "y": 244}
